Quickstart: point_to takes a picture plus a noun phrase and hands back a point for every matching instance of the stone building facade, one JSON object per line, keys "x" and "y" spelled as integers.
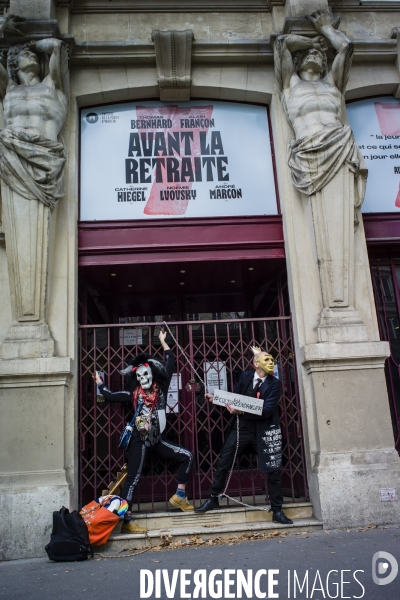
{"x": 114, "y": 52}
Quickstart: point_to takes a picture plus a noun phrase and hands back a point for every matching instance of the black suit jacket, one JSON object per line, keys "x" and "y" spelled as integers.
{"x": 267, "y": 425}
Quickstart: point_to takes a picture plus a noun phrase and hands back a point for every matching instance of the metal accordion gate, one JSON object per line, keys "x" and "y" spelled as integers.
{"x": 221, "y": 350}
{"x": 386, "y": 284}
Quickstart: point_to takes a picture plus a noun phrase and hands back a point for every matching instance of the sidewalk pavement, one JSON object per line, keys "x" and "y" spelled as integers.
{"x": 307, "y": 558}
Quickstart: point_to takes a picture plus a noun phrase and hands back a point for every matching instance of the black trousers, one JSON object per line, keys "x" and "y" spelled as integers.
{"x": 137, "y": 453}
{"x": 246, "y": 438}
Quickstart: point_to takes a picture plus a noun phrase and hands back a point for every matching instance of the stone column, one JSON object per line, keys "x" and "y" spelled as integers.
{"x": 346, "y": 418}
{"x": 27, "y": 217}
{"x": 345, "y": 409}
{"x": 34, "y": 477}
{"x": 26, "y": 226}
{"x": 333, "y": 232}
{"x": 37, "y": 400}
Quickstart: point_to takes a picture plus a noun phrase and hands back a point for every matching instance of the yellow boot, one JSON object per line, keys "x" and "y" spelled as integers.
{"x": 132, "y": 527}
{"x": 181, "y": 503}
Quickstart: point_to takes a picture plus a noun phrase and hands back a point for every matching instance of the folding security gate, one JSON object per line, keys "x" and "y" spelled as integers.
{"x": 220, "y": 349}
{"x": 386, "y": 283}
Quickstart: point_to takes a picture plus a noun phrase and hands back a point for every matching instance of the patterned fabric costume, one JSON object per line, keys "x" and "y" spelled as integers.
{"x": 155, "y": 443}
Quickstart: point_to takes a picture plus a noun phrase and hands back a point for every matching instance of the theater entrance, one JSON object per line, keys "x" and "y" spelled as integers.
{"x": 215, "y": 311}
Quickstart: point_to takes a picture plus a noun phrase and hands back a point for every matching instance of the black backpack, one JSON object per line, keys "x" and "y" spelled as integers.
{"x": 69, "y": 540}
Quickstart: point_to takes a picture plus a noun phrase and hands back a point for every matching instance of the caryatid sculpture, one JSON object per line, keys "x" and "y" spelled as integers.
{"x": 325, "y": 163}
{"x": 34, "y": 91}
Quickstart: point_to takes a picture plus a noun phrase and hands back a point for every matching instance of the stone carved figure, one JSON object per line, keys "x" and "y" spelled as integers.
{"x": 34, "y": 91}
{"x": 325, "y": 162}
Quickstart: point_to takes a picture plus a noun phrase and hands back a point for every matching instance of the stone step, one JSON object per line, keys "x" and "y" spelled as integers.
{"x": 256, "y": 500}
{"x": 223, "y": 523}
{"x": 223, "y": 516}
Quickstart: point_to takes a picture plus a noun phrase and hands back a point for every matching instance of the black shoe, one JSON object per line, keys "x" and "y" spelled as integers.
{"x": 210, "y": 504}
{"x": 280, "y": 517}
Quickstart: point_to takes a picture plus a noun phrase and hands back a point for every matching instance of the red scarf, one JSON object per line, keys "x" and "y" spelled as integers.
{"x": 150, "y": 399}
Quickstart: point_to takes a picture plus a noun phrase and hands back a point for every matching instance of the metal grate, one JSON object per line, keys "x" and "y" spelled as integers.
{"x": 221, "y": 350}
{"x": 386, "y": 283}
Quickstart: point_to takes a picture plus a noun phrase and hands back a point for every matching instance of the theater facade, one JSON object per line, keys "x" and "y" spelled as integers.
{"x": 178, "y": 210}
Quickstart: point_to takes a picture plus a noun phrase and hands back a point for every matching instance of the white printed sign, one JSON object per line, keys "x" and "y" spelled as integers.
{"x": 216, "y": 379}
{"x": 173, "y": 393}
{"x": 173, "y": 386}
{"x": 388, "y": 495}
{"x": 101, "y": 338}
{"x": 238, "y": 401}
{"x": 130, "y": 337}
{"x": 376, "y": 127}
{"x": 146, "y": 160}
{"x": 173, "y": 401}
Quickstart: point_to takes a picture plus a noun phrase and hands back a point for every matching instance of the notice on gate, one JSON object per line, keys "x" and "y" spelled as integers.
{"x": 243, "y": 403}
{"x": 130, "y": 337}
{"x": 215, "y": 376}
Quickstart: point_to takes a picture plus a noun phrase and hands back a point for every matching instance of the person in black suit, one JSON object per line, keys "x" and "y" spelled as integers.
{"x": 263, "y": 432}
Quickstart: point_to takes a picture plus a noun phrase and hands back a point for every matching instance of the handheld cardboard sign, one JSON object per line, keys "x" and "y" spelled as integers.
{"x": 244, "y": 403}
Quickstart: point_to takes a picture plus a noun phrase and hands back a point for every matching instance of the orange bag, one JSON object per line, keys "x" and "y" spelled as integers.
{"x": 99, "y": 521}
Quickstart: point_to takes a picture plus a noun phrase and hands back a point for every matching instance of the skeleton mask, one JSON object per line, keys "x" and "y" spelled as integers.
{"x": 144, "y": 376}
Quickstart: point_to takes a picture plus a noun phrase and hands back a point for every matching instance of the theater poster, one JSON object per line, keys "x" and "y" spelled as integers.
{"x": 147, "y": 160}
{"x": 376, "y": 126}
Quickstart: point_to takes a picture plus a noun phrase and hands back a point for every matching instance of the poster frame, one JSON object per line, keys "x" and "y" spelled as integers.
{"x": 394, "y": 214}
{"x": 201, "y": 99}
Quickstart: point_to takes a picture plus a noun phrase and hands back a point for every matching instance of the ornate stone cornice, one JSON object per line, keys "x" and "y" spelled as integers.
{"x": 104, "y": 6}
{"x": 339, "y": 6}
{"x": 242, "y": 51}
{"x": 143, "y": 53}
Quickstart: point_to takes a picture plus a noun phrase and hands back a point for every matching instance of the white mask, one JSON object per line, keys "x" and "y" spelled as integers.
{"x": 144, "y": 376}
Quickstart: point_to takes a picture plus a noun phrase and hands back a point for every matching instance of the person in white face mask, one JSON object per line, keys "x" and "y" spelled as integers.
{"x": 146, "y": 385}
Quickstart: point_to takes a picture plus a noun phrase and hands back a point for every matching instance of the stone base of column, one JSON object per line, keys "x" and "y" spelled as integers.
{"x": 37, "y": 442}
{"x": 350, "y": 435}
{"x": 27, "y": 502}
{"x": 349, "y": 485}
{"x": 27, "y": 340}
